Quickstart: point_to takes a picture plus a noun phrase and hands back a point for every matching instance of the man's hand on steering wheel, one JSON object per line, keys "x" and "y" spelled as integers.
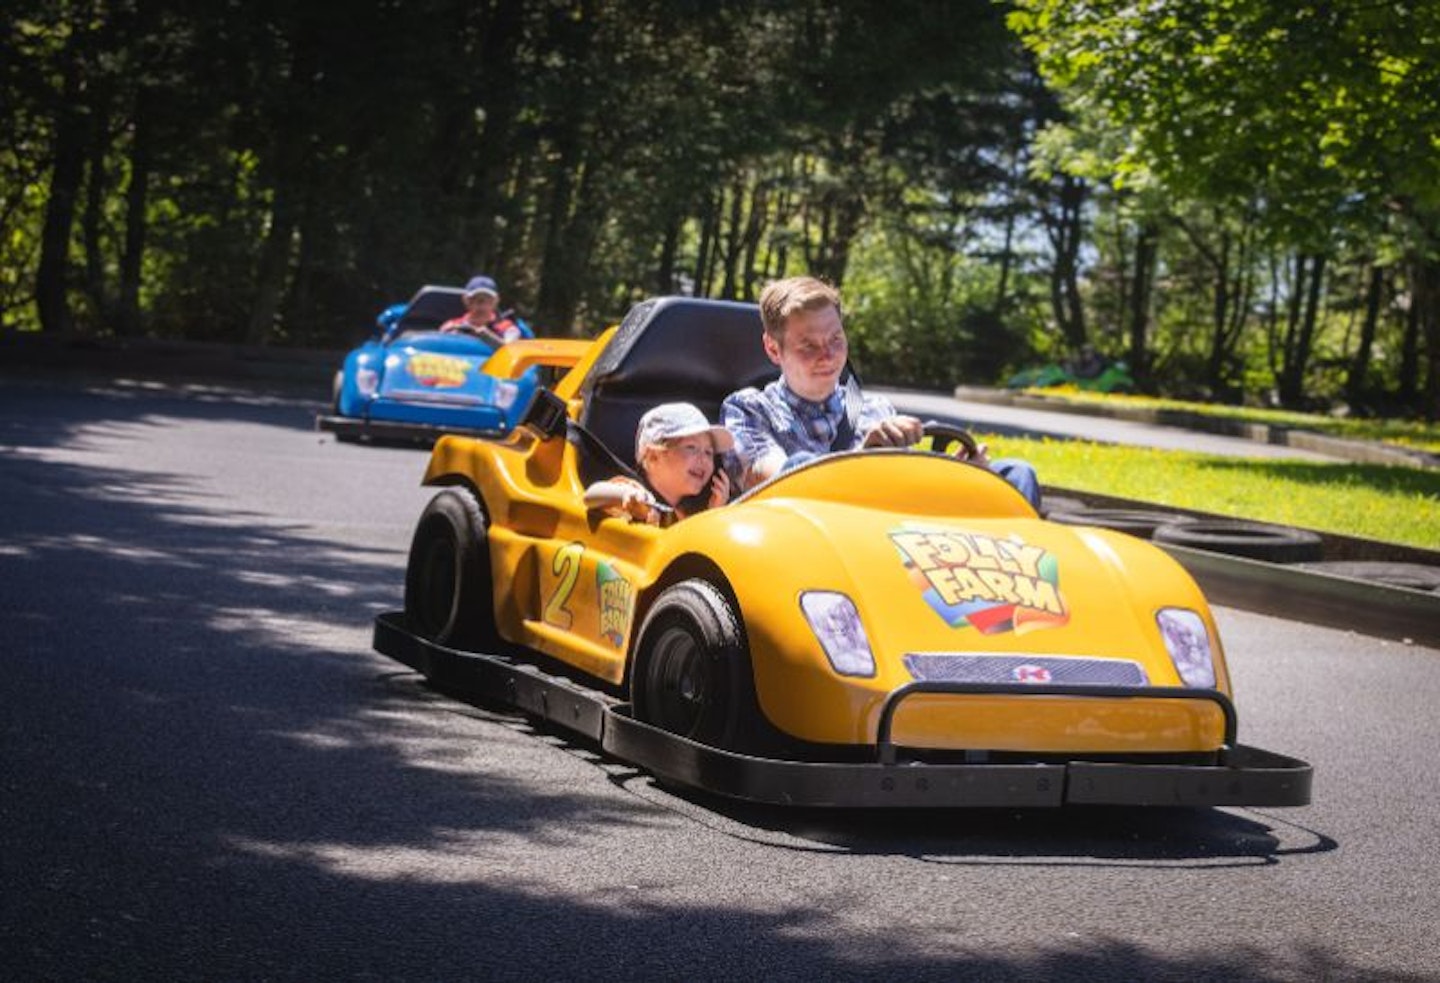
{"x": 957, "y": 442}
{"x": 894, "y": 431}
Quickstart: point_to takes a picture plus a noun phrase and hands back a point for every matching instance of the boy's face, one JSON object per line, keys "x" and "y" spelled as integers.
{"x": 481, "y": 307}
{"x": 811, "y": 355}
{"x": 680, "y": 467}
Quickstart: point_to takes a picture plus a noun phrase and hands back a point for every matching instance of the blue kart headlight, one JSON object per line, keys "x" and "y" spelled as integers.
{"x": 505, "y": 393}
{"x": 836, "y": 624}
{"x": 366, "y": 381}
{"x": 1188, "y": 642}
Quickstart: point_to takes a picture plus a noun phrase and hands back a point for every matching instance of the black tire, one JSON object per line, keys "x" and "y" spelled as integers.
{"x": 1062, "y": 504}
{"x": 692, "y": 673}
{"x": 342, "y": 435}
{"x": 1136, "y": 522}
{"x": 1255, "y": 540}
{"x": 448, "y": 591}
{"x": 1416, "y": 576}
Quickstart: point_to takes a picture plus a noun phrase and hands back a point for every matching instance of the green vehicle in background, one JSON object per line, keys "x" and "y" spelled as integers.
{"x": 1089, "y": 370}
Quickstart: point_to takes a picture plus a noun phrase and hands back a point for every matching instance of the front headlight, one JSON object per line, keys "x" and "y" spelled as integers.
{"x": 837, "y": 626}
{"x": 1188, "y": 643}
{"x": 367, "y": 381}
{"x": 505, "y": 393}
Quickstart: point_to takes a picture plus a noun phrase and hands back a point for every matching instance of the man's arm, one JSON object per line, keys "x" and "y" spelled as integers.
{"x": 759, "y": 454}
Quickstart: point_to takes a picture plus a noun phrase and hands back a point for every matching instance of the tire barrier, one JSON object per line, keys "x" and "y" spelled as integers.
{"x": 1137, "y": 522}
{"x": 1416, "y": 576}
{"x": 1254, "y": 540}
{"x": 1051, "y": 504}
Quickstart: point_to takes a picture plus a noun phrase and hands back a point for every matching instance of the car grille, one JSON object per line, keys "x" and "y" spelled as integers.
{"x": 1038, "y": 669}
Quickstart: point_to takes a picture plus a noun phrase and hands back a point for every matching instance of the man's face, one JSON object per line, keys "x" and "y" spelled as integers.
{"x": 812, "y": 354}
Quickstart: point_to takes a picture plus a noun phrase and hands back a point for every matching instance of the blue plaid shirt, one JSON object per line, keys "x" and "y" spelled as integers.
{"x": 764, "y": 419}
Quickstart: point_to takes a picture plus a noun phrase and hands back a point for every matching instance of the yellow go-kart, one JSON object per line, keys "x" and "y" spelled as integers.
{"x": 875, "y": 628}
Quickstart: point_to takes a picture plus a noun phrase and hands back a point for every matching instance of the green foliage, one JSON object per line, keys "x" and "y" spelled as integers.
{"x": 277, "y": 173}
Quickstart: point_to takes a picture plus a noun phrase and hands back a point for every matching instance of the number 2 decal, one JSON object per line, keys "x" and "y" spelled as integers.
{"x": 566, "y": 566}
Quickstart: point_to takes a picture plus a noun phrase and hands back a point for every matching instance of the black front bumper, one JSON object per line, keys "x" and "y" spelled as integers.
{"x": 1245, "y": 776}
{"x": 353, "y": 428}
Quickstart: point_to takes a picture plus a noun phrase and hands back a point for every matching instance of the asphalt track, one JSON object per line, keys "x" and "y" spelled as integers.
{"x": 206, "y": 773}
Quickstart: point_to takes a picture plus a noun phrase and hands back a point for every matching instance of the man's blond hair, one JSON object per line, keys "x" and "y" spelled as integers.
{"x": 791, "y": 295}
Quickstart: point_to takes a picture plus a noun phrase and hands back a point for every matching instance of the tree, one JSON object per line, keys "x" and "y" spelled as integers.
{"x": 1323, "y": 112}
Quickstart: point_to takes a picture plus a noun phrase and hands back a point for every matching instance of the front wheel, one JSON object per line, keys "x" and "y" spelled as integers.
{"x": 448, "y": 589}
{"x": 692, "y": 675}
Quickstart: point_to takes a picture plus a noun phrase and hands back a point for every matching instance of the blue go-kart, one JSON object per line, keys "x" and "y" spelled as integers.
{"x": 413, "y": 382}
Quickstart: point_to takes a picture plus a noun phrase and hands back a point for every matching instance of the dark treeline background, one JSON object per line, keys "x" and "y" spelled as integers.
{"x": 992, "y": 185}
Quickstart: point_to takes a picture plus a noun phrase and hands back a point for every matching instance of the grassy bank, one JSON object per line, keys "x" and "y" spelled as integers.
{"x": 1393, "y": 504}
{"x": 1413, "y": 434}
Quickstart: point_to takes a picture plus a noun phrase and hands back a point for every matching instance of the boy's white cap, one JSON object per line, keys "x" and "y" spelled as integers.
{"x": 669, "y": 421}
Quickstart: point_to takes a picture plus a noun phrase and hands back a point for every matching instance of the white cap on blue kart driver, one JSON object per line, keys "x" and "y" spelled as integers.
{"x": 671, "y": 421}
{"x": 481, "y": 285}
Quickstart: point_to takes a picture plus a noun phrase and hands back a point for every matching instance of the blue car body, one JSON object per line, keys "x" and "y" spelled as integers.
{"x": 412, "y": 381}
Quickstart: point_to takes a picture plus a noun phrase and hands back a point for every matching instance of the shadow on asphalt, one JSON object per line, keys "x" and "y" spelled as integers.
{"x": 197, "y": 785}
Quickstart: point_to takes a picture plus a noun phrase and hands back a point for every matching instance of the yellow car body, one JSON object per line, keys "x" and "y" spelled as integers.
{"x": 992, "y": 634}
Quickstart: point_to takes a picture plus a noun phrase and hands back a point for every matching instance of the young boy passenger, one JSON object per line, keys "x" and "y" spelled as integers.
{"x": 676, "y": 449}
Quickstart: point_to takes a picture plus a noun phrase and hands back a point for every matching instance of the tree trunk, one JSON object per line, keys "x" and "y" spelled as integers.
{"x": 754, "y": 231}
{"x": 1306, "y": 312}
{"x": 289, "y": 168}
{"x": 1065, "y": 227}
{"x": 1427, "y": 302}
{"x": 1355, "y": 384}
{"x": 275, "y": 257}
{"x": 52, "y": 275}
{"x": 709, "y": 225}
{"x": 92, "y": 222}
{"x": 669, "y": 250}
{"x": 497, "y": 89}
{"x": 127, "y": 320}
{"x": 733, "y": 239}
{"x": 1147, "y": 243}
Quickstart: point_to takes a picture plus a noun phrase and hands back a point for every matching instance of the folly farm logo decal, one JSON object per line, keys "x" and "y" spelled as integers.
{"x": 440, "y": 371}
{"x": 990, "y": 584}
{"x": 617, "y": 599}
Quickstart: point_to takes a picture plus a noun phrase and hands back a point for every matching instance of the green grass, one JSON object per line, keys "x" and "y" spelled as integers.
{"x": 1406, "y": 433}
{"x": 1392, "y": 504}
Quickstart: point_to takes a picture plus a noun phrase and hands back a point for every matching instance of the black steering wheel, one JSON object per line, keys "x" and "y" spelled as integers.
{"x": 485, "y": 334}
{"x": 947, "y": 439}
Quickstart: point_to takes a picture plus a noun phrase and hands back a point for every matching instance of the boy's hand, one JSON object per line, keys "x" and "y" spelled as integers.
{"x": 719, "y": 488}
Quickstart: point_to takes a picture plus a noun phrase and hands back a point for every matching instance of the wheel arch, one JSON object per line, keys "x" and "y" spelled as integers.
{"x": 686, "y": 566}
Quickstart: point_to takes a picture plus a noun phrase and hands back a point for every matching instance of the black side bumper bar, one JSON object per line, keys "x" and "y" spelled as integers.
{"x": 1245, "y": 776}
{"x": 356, "y": 428}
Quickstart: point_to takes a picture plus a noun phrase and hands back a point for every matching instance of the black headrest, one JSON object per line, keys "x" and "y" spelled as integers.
{"x": 431, "y": 307}
{"x": 673, "y": 349}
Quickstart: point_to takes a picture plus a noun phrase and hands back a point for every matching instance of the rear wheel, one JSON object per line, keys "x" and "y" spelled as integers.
{"x": 448, "y": 589}
{"x": 692, "y": 674}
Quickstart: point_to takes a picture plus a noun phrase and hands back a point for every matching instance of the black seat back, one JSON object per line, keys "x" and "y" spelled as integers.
{"x": 431, "y": 307}
{"x": 670, "y": 350}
